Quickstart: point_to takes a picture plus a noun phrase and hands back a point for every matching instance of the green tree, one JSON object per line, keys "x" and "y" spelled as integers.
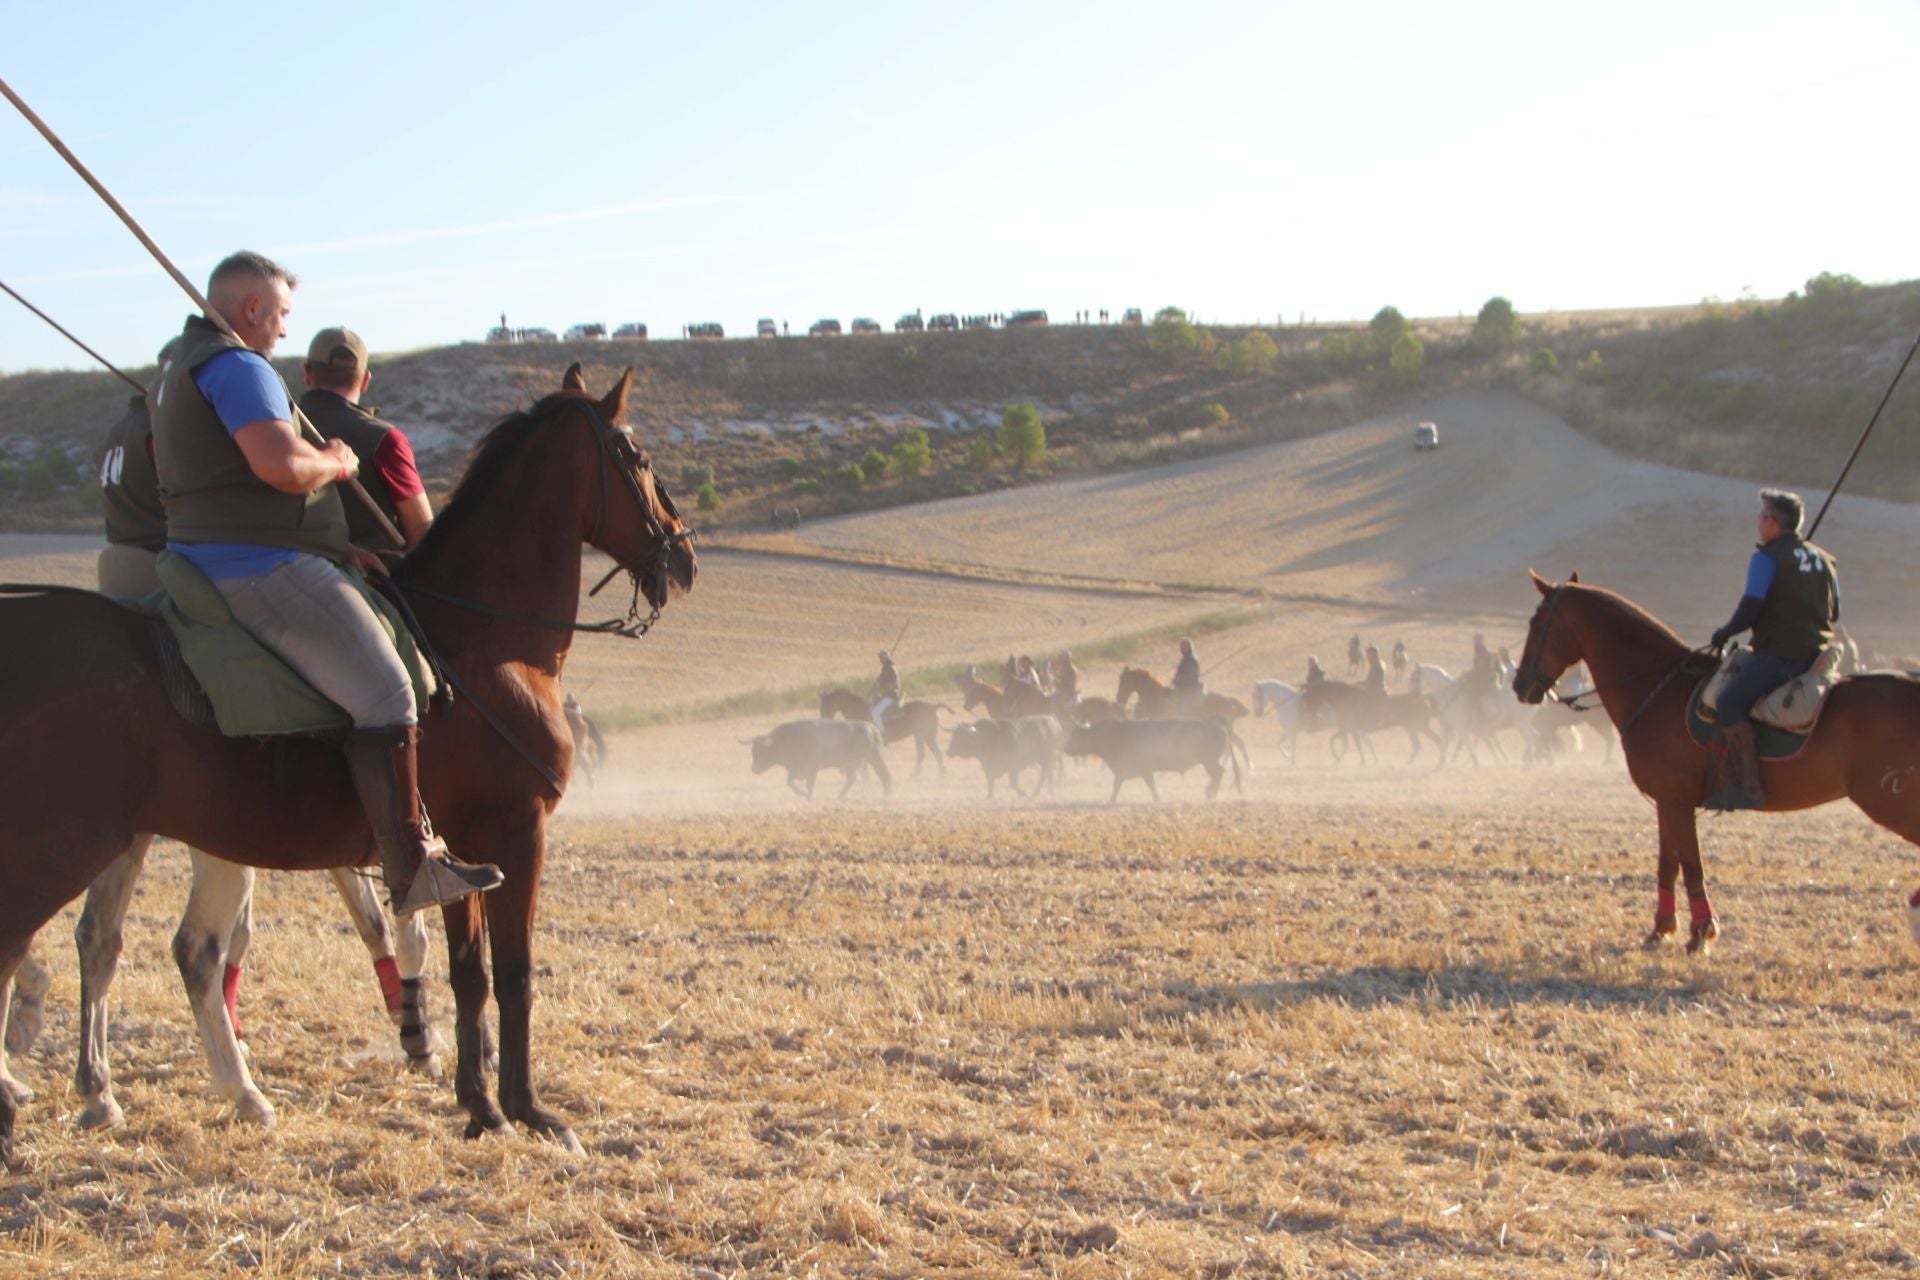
{"x": 1216, "y": 415}
{"x": 908, "y": 361}
{"x": 1023, "y": 437}
{"x": 1387, "y": 327}
{"x": 1172, "y": 334}
{"x": 708, "y": 497}
{"x": 983, "y": 453}
{"x": 1828, "y": 287}
{"x": 1409, "y": 358}
{"x": 1497, "y": 326}
{"x": 853, "y": 474}
{"x": 1335, "y": 350}
{"x": 873, "y": 463}
{"x": 1544, "y": 361}
{"x": 1252, "y": 354}
{"x": 911, "y": 456}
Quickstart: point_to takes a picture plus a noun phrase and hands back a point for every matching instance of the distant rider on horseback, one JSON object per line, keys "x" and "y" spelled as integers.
{"x": 1791, "y": 602}
{"x": 886, "y": 691}
{"x": 255, "y": 508}
{"x": 1187, "y": 686}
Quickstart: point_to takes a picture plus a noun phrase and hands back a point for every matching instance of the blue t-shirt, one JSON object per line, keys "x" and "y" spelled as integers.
{"x": 242, "y": 388}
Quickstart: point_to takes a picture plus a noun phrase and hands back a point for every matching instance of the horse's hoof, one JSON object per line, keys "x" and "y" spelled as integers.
{"x": 477, "y": 1128}
{"x": 253, "y": 1108}
{"x": 428, "y": 1064}
{"x": 1701, "y": 940}
{"x": 102, "y": 1113}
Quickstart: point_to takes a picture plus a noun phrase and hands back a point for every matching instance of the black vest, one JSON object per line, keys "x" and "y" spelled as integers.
{"x": 337, "y": 418}
{"x": 129, "y": 486}
{"x": 1796, "y": 619}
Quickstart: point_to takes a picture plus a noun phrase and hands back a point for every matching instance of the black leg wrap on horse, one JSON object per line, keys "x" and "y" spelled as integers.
{"x": 414, "y": 1035}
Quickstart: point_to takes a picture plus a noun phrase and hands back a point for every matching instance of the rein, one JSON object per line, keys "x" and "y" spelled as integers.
{"x": 1533, "y": 672}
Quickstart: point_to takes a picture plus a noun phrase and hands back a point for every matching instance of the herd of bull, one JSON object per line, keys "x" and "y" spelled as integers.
{"x": 1027, "y": 744}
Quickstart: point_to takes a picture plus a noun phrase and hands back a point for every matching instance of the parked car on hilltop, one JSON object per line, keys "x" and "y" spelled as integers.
{"x": 1026, "y": 319}
{"x": 766, "y": 329}
{"x": 586, "y": 333}
{"x": 1131, "y": 317}
{"x": 909, "y": 324}
{"x": 539, "y": 335}
{"x": 631, "y": 332}
{"x": 823, "y": 329}
{"x": 945, "y": 322}
{"x": 862, "y": 324}
{"x": 707, "y": 329}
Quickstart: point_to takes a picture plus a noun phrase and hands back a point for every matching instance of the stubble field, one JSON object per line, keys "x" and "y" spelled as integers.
{"x": 1392, "y": 1023}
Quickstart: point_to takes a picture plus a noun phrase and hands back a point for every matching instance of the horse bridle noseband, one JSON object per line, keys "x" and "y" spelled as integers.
{"x": 1534, "y": 671}
{"x": 618, "y": 452}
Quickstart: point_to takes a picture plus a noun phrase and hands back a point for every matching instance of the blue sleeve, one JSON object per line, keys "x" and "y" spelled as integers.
{"x": 242, "y": 388}
{"x": 1760, "y": 571}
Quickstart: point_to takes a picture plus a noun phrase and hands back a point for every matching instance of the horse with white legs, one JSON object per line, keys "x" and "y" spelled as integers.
{"x": 210, "y": 948}
{"x": 1467, "y": 717}
{"x": 1287, "y": 708}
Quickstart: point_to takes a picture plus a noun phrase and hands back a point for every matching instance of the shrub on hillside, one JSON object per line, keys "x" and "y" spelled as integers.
{"x": 1590, "y": 367}
{"x": 1335, "y": 350}
{"x": 1544, "y": 361}
{"x": 853, "y": 475}
{"x": 908, "y": 361}
{"x": 1171, "y": 334}
{"x": 695, "y": 474}
{"x": 983, "y": 453}
{"x": 1252, "y": 354}
{"x": 793, "y": 468}
{"x": 1409, "y": 358}
{"x": 911, "y": 456}
{"x": 1023, "y": 437}
{"x": 873, "y": 463}
{"x": 1215, "y": 415}
{"x": 1497, "y": 326}
{"x": 1386, "y": 328}
{"x": 1828, "y": 288}
{"x": 708, "y": 497}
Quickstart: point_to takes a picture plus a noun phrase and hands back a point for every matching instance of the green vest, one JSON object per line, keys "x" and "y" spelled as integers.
{"x": 1796, "y": 619}
{"x": 210, "y": 491}
{"x": 129, "y": 487}
{"x": 338, "y": 418}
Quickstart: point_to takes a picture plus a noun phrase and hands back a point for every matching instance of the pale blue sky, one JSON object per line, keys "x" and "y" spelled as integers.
{"x": 425, "y": 168}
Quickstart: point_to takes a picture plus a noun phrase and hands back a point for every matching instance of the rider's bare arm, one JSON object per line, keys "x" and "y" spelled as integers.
{"x": 279, "y": 457}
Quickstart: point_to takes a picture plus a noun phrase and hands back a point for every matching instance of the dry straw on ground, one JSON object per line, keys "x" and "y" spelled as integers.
{"x": 1392, "y": 1024}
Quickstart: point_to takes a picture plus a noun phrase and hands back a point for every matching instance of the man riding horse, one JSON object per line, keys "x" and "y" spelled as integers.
{"x": 886, "y": 690}
{"x": 1791, "y": 601}
{"x": 1187, "y": 686}
{"x": 255, "y": 508}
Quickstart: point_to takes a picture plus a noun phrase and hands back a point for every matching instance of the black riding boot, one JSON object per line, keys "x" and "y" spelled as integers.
{"x": 1739, "y": 771}
{"x": 414, "y": 862}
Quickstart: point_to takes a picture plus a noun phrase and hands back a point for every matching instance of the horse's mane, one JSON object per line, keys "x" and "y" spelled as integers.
{"x": 1618, "y": 603}
{"x": 492, "y": 456}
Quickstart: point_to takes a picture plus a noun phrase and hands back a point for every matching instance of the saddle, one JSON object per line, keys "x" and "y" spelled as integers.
{"x": 217, "y": 675}
{"x": 1784, "y": 719}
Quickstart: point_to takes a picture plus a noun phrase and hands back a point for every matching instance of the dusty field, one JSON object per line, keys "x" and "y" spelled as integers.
{"x": 1391, "y": 1023}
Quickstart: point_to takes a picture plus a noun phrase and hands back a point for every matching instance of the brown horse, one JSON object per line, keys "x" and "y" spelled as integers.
{"x": 1358, "y": 712}
{"x": 1644, "y": 675}
{"x": 1160, "y": 702}
{"x": 917, "y": 720}
{"x": 1015, "y": 700}
{"x": 97, "y": 753}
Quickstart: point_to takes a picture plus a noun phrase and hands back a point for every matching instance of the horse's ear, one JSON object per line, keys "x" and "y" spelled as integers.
{"x": 614, "y": 407}
{"x": 1540, "y": 584}
{"x": 573, "y": 381}
{"x": 1574, "y": 576}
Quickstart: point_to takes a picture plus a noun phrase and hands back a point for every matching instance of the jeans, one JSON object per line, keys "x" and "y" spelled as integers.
{"x": 316, "y": 621}
{"x": 1762, "y": 674}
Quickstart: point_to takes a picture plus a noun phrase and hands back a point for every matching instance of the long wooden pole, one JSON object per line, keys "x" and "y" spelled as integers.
{"x": 206, "y": 309}
{"x": 1862, "y": 442}
{"x": 62, "y": 331}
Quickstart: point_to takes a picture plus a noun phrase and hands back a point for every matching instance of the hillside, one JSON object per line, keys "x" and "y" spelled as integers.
{"x": 1775, "y": 391}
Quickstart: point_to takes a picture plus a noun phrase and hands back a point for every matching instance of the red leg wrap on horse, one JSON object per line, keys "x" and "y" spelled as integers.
{"x": 1701, "y": 910}
{"x": 389, "y": 974}
{"x": 230, "y": 988}
{"x": 1914, "y": 901}
{"x": 1666, "y": 908}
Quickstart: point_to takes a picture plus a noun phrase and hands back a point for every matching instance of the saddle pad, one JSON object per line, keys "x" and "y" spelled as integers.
{"x": 253, "y": 692}
{"x": 1769, "y": 742}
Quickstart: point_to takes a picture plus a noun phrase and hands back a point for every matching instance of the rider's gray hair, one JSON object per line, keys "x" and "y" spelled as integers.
{"x": 1785, "y": 507}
